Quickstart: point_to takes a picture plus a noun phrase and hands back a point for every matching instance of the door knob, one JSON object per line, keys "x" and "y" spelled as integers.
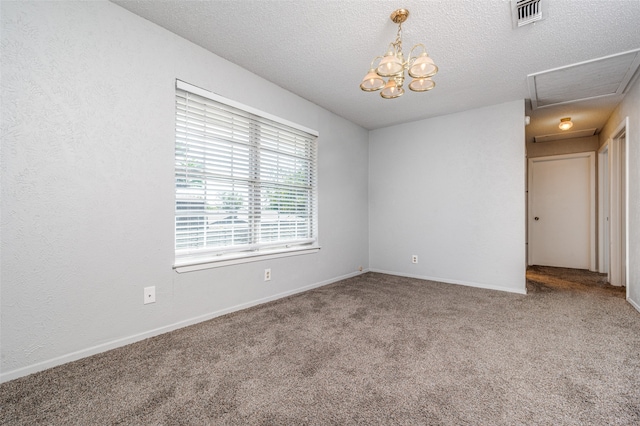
{"x": 536, "y": 218}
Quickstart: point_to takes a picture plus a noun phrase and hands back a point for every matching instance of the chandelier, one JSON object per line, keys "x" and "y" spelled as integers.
{"x": 392, "y": 65}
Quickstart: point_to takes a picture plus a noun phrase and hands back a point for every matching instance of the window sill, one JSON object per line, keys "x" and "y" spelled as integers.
{"x": 200, "y": 263}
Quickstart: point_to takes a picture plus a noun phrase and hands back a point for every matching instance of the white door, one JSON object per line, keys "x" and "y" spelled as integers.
{"x": 562, "y": 211}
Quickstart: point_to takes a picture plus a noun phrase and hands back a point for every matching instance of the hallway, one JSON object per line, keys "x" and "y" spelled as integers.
{"x": 549, "y": 279}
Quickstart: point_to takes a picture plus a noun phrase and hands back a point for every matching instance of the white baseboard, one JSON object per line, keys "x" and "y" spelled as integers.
{"x": 83, "y": 353}
{"x": 458, "y": 282}
{"x": 634, "y": 304}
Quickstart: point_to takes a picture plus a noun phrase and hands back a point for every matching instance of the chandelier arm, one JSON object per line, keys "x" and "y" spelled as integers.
{"x": 374, "y": 60}
{"x": 417, "y": 45}
{"x": 412, "y": 58}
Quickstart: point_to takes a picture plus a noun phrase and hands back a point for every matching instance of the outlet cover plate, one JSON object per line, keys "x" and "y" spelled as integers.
{"x": 149, "y": 295}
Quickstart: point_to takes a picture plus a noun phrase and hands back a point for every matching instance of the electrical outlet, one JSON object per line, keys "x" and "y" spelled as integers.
{"x": 267, "y": 274}
{"x": 149, "y": 295}
{"x": 360, "y": 269}
{"x": 414, "y": 258}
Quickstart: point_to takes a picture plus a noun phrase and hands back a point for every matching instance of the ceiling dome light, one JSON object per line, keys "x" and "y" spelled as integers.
{"x": 565, "y": 123}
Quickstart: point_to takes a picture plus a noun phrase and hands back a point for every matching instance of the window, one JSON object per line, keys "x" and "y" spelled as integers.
{"x": 245, "y": 181}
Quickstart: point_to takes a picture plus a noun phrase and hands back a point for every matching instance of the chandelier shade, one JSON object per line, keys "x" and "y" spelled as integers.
{"x": 372, "y": 82}
{"x": 423, "y": 67}
{"x": 393, "y": 66}
{"x": 422, "y": 84}
{"x": 390, "y": 65}
{"x": 392, "y": 90}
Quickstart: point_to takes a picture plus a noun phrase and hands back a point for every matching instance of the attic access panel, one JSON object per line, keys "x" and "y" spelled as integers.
{"x": 608, "y": 76}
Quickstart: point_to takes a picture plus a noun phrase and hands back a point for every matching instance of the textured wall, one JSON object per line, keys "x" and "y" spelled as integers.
{"x": 630, "y": 107}
{"x": 451, "y": 190}
{"x": 87, "y": 184}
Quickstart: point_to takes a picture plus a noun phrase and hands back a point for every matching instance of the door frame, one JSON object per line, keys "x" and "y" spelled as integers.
{"x": 592, "y": 199}
{"x": 604, "y": 208}
{"x": 616, "y": 196}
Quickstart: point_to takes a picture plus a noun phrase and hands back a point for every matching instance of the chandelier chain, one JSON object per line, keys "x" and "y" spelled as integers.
{"x": 398, "y": 43}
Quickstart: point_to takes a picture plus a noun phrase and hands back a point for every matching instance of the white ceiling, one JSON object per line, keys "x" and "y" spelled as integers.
{"x": 320, "y": 50}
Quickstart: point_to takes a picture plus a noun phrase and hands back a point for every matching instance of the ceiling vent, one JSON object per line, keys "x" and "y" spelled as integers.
{"x": 526, "y": 12}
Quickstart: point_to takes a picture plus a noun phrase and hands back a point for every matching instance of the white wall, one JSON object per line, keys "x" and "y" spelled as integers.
{"x": 87, "y": 185}
{"x": 451, "y": 190}
{"x": 630, "y": 107}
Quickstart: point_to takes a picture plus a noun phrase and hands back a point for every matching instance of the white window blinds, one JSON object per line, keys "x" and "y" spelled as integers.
{"x": 245, "y": 180}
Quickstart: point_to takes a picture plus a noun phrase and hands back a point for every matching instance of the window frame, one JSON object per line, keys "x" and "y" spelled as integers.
{"x": 202, "y": 257}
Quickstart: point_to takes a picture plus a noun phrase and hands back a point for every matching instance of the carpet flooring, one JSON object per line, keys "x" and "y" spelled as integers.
{"x": 373, "y": 349}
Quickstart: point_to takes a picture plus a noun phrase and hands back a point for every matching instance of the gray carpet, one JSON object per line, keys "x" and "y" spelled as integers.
{"x": 374, "y": 349}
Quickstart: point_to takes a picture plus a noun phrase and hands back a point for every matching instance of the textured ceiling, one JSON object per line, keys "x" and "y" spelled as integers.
{"x": 320, "y": 50}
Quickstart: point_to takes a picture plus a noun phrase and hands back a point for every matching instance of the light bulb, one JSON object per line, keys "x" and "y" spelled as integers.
{"x": 565, "y": 123}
